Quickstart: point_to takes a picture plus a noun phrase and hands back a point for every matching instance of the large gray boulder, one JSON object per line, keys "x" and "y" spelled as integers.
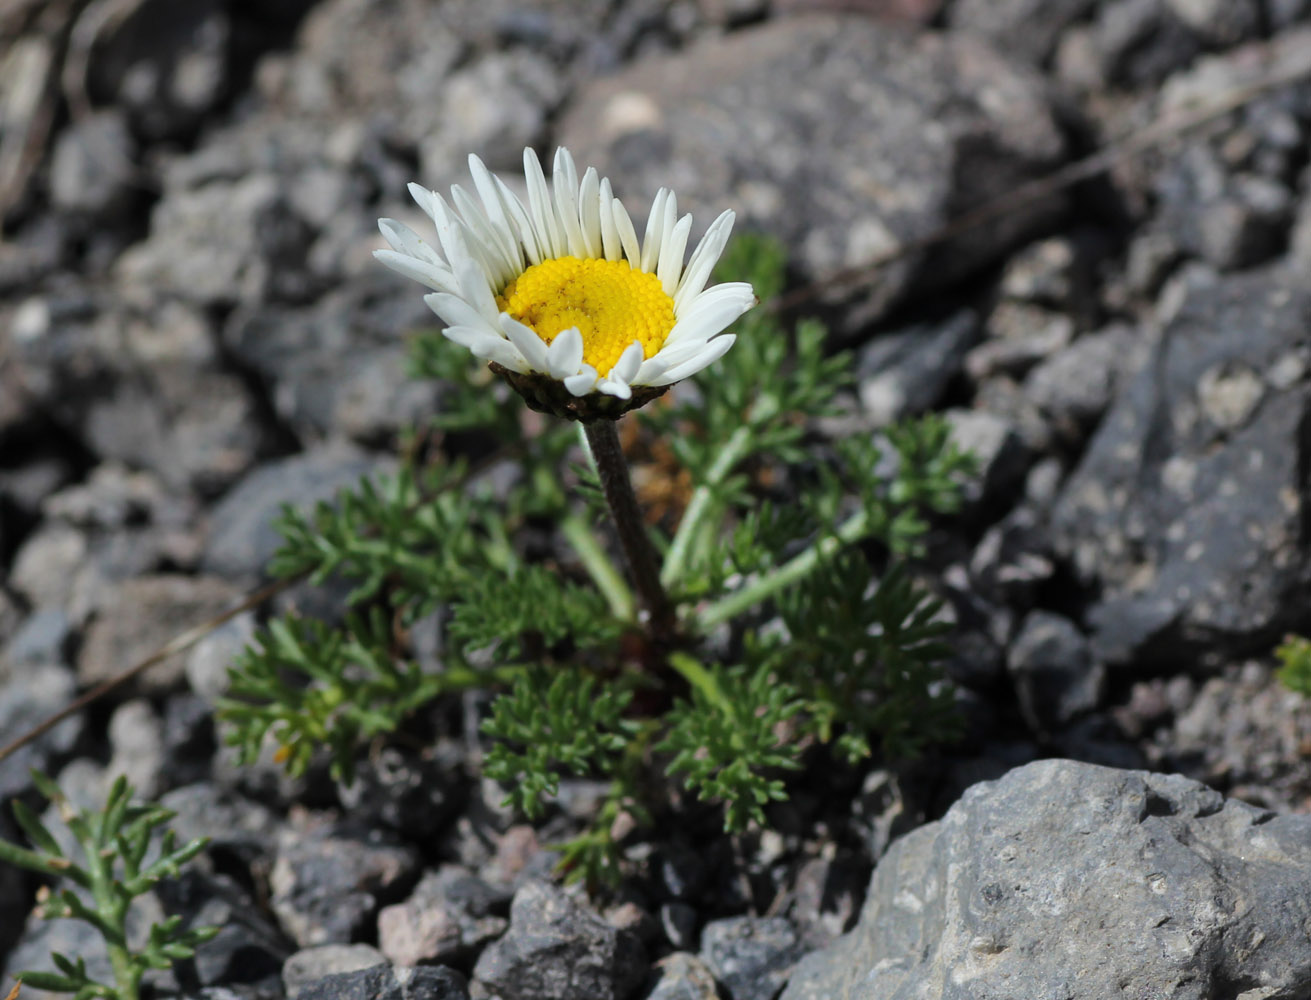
{"x": 1071, "y": 881}
{"x": 841, "y": 135}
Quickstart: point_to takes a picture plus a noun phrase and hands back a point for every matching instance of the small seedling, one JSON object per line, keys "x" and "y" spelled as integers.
{"x": 117, "y": 865}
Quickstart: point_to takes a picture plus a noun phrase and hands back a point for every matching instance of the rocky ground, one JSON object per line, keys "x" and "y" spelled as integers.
{"x": 193, "y": 331}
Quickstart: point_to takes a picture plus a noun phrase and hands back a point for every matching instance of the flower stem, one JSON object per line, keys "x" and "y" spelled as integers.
{"x": 599, "y": 567}
{"x": 796, "y": 568}
{"x": 612, "y": 469}
{"x": 734, "y": 450}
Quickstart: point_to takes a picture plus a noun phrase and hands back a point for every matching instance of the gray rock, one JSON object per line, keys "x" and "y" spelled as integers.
{"x": 1055, "y": 676}
{"x": 450, "y": 916}
{"x": 826, "y": 898}
{"x": 71, "y": 938}
{"x": 681, "y": 870}
{"x": 136, "y": 739}
{"x": 1220, "y": 22}
{"x": 30, "y": 693}
{"x": 1243, "y": 731}
{"x": 681, "y": 976}
{"x": 383, "y": 983}
{"x": 495, "y": 108}
{"x": 248, "y": 949}
{"x": 235, "y": 826}
{"x": 328, "y": 885}
{"x": 143, "y": 386}
{"x": 1070, "y": 880}
{"x": 91, "y": 170}
{"x": 1013, "y": 560}
{"x": 1076, "y": 385}
{"x": 310, "y": 965}
{"x": 1285, "y": 13}
{"x": 1232, "y": 220}
{"x": 338, "y": 368}
{"x": 557, "y": 948}
{"x": 224, "y": 243}
{"x": 1002, "y": 456}
{"x": 41, "y": 638}
{"x": 242, "y": 539}
{"x": 1050, "y": 272}
{"x": 1028, "y": 28}
{"x": 167, "y": 63}
{"x": 679, "y": 924}
{"x": 1140, "y": 42}
{"x": 140, "y": 616}
{"x": 1187, "y": 508}
{"x": 1019, "y": 336}
{"x": 209, "y": 660}
{"x": 887, "y": 140}
{"x": 907, "y": 371}
{"x": 45, "y": 568}
{"x": 751, "y": 957}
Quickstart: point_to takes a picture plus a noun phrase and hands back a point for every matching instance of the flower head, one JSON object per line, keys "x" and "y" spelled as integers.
{"x": 560, "y": 296}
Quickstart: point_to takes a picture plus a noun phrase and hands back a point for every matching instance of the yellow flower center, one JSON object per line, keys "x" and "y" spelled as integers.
{"x": 610, "y": 302}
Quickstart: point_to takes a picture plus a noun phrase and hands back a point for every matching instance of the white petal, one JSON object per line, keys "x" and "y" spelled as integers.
{"x": 676, "y": 355}
{"x": 655, "y": 227}
{"x": 672, "y": 247}
{"x": 612, "y": 387}
{"x": 651, "y": 369}
{"x": 701, "y": 328}
{"x": 522, "y": 223}
{"x": 403, "y": 239}
{"x": 711, "y": 311}
{"x": 496, "y": 207}
{"x": 564, "y": 181}
{"x": 424, "y": 198}
{"x": 455, "y": 311}
{"x": 450, "y": 233}
{"x": 589, "y": 213}
{"x": 708, "y": 355}
{"x": 466, "y": 336}
{"x": 542, "y": 209}
{"x": 499, "y": 250}
{"x": 610, "y": 244}
{"x": 703, "y": 261}
{"x": 525, "y": 338}
{"x": 473, "y": 284}
{"x": 626, "y": 367}
{"x": 627, "y": 234}
{"x": 565, "y": 353}
{"x": 582, "y": 383}
{"x": 503, "y": 353}
{"x": 435, "y": 276}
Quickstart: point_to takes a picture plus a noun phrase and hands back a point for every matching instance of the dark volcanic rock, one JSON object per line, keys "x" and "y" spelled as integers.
{"x": 1070, "y": 880}
{"x": 241, "y": 536}
{"x": 751, "y": 957}
{"x": 141, "y": 616}
{"x": 1055, "y": 676}
{"x": 888, "y": 139}
{"x": 327, "y": 885}
{"x": 1188, "y": 509}
{"x": 908, "y": 371}
{"x": 379, "y": 982}
{"x": 339, "y": 367}
{"x": 143, "y": 385}
{"x": 555, "y": 948}
{"x": 448, "y": 917}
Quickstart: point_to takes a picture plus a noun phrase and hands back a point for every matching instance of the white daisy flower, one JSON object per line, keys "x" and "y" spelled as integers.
{"x": 560, "y": 292}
